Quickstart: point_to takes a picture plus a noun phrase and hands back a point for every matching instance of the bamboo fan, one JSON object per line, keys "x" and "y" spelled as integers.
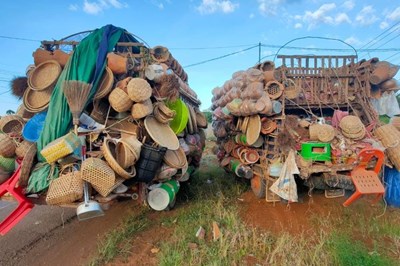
{"x": 76, "y": 92}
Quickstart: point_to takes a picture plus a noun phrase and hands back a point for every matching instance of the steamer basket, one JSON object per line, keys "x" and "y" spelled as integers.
{"x": 109, "y": 148}
{"x": 119, "y": 100}
{"x": 105, "y": 85}
{"x": 12, "y": 124}
{"x": 45, "y": 75}
{"x": 274, "y": 89}
{"x": 7, "y": 146}
{"x": 390, "y": 138}
{"x": 37, "y": 101}
{"x": 97, "y": 172}
{"x": 67, "y": 188}
{"x": 139, "y": 90}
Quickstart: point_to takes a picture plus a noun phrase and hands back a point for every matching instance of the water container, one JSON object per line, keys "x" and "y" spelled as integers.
{"x": 149, "y": 162}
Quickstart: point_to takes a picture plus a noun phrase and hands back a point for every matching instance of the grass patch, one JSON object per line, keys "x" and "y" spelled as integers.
{"x": 118, "y": 242}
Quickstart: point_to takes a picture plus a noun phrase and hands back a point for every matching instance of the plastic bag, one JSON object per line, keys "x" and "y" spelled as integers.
{"x": 392, "y": 187}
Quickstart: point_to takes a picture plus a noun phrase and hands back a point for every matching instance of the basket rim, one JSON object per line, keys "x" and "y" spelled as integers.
{"x": 39, "y": 67}
{"x": 113, "y": 162}
{"x": 103, "y": 91}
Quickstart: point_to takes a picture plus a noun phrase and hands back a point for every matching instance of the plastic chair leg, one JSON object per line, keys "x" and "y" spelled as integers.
{"x": 352, "y": 198}
{"x": 17, "y": 215}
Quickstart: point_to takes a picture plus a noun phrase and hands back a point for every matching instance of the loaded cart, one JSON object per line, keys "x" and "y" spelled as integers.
{"x": 313, "y": 120}
{"x": 103, "y": 116}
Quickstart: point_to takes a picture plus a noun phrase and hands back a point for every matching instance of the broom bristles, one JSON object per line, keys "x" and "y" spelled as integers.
{"x": 76, "y": 92}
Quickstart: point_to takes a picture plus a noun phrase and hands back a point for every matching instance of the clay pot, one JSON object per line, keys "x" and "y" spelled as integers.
{"x": 118, "y": 64}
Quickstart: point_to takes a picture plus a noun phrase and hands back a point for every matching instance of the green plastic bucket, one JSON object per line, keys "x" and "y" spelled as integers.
{"x": 181, "y": 117}
{"x": 160, "y": 197}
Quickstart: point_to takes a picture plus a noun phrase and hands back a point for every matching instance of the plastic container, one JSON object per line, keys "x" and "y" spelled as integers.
{"x": 316, "y": 151}
{"x": 150, "y": 161}
{"x": 34, "y": 127}
{"x": 159, "y": 198}
{"x": 392, "y": 187}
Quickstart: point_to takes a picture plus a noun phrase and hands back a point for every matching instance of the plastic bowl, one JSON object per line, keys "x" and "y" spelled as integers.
{"x": 34, "y": 127}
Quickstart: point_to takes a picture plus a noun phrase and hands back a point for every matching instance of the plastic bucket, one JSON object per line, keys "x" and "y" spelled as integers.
{"x": 34, "y": 127}
{"x": 149, "y": 162}
{"x": 159, "y": 198}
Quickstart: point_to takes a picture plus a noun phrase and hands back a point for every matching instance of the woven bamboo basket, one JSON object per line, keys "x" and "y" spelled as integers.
{"x": 22, "y": 112}
{"x": 97, "y": 172}
{"x": 395, "y": 121}
{"x": 326, "y": 133}
{"x": 23, "y": 148}
{"x": 7, "y": 164}
{"x": 142, "y": 109}
{"x": 103, "y": 191}
{"x": 105, "y": 85}
{"x": 108, "y": 148}
{"x": 132, "y": 143}
{"x": 67, "y": 188}
{"x": 27, "y": 164}
{"x": 7, "y": 146}
{"x": 119, "y": 100}
{"x": 45, "y": 75}
{"x": 313, "y": 131}
{"x": 99, "y": 112}
{"x": 36, "y": 101}
{"x": 125, "y": 156}
{"x": 351, "y": 124}
{"x": 60, "y": 147}
{"x": 292, "y": 91}
{"x": 274, "y": 89}
{"x": 139, "y": 90}
{"x": 12, "y": 124}
{"x": 390, "y": 138}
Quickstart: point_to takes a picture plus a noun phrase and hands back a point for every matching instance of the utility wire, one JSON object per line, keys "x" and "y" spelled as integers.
{"x": 212, "y": 47}
{"x": 220, "y": 57}
{"x": 17, "y": 38}
{"x": 380, "y": 35}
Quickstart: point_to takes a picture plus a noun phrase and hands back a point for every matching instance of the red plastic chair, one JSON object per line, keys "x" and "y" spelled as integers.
{"x": 367, "y": 181}
{"x": 24, "y": 205}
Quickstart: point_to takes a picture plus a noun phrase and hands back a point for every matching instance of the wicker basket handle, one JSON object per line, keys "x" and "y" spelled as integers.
{"x": 68, "y": 166}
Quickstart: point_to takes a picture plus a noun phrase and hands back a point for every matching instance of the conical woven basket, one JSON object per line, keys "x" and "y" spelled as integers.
{"x": 139, "y": 90}
{"x": 390, "y": 138}
{"x": 7, "y": 146}
{"x": 142, "y": 109}
{"x": 119, "y": 100}
{"x": 12, "y": 124}
{"x": 45, "y": 75}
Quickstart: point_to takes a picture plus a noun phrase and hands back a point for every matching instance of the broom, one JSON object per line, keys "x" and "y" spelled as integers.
{"x": 76, "y": 92}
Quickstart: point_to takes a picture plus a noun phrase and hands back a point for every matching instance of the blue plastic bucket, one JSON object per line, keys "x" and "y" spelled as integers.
{"x": 34, "y": 127}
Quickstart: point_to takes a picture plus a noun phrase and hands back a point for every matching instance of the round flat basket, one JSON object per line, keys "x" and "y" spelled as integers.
{"x": 12, "y": 124}
{"x": 37, "y": 101}
{"x": 253, "y": 129}
{"x": 162, "y": 134}
{"x": 105, "y": 85}
{"x": 45, "y": 75}
{"x": 326, "y": 133}
{"x": 274, "y": 89}
{"x": 109, "y": 148}
{"x": 244, "y": 124}
{"x": 181, "y": 117}
{"x": 176, "y": 159}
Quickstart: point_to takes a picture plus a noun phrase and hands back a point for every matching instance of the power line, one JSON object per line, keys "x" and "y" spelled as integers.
{"x": 393, "y": 55}
{"x": 220, "y": 57}
{"x": 380, "y": 35}
{"x": 211, "y": 47}
{"x": 17, "y": 38}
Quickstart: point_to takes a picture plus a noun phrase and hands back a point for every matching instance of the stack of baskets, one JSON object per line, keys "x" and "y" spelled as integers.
{"x": 352, "y": 127}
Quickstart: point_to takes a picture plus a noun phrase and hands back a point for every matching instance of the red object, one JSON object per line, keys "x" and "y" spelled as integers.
{"x": 24, "y": 205}
{"x": 367, "y": 181}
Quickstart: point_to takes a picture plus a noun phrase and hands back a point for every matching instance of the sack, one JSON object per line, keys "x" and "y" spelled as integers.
{"x": 392, "y": 182}
{"x": 40, "y": 177}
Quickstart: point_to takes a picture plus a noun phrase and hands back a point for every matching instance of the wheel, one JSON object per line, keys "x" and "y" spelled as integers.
{"x": 258, "y": 186}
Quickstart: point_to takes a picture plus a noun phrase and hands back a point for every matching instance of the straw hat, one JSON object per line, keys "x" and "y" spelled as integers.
{"x": 139, "y": 90}
{"x": 45, "y": 75}
{"x": 161, "y": 133}
{"x": 105, "y": 85}
{"x": 119, "y": 100}
{"x": 36, "y": 101}
{"x": 142, "y": 109}
{"x": 274, "y": 89}
{"x": 253, "y": 129}
{"x": 176, "y": 159}
{"x": 109, "y": 148}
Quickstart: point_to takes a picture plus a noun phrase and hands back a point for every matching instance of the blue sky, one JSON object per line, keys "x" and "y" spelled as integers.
{"x": 199, "y": 30}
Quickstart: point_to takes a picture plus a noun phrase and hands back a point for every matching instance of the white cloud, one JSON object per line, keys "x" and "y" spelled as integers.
{"x": 212, "y": 6}
{"x": 269, "y": 7}
{"x": 348, "y": 5}
{"x": 159, "y": 3}
{"x": 383, "y": 25}
{"x": 298, "y": 26}
{"x": 96, "y": 7}
{"x": 342, "y": 18}
{"x": 395, "y": 15}
{"x": 366, "y": 16}
{"x": 251, "y": 15}
{"x": 353, "y": 41}
{"x": 73, "y": 7}
{"x": 320, "y": 15}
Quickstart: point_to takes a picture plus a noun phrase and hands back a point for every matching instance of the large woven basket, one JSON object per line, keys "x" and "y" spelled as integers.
{"x": 139, "y": 90}
{"x": 12, "y": 124}
{"x": 119, "y": 100}
{"x": 45, "y": 75}
{"x": 67, "y": 188}
{"x": 104, "y": 191}
{"x": 105, "y": 85}
{"x": 7, "y": 146}
{"x": 142, "y": 109}
{"x": 125, "y": 156}
{"x": 23, "y": 148}
{"x": 109, "y": 148}
{"x": 390, "y": 138}
{"x": 98, "y": 173}
{"x": 36, "y": 101}
{"x": 60, "y": 147}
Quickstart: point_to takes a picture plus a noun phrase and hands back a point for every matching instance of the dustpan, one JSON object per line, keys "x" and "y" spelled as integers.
{"x": 89, "y": 208}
